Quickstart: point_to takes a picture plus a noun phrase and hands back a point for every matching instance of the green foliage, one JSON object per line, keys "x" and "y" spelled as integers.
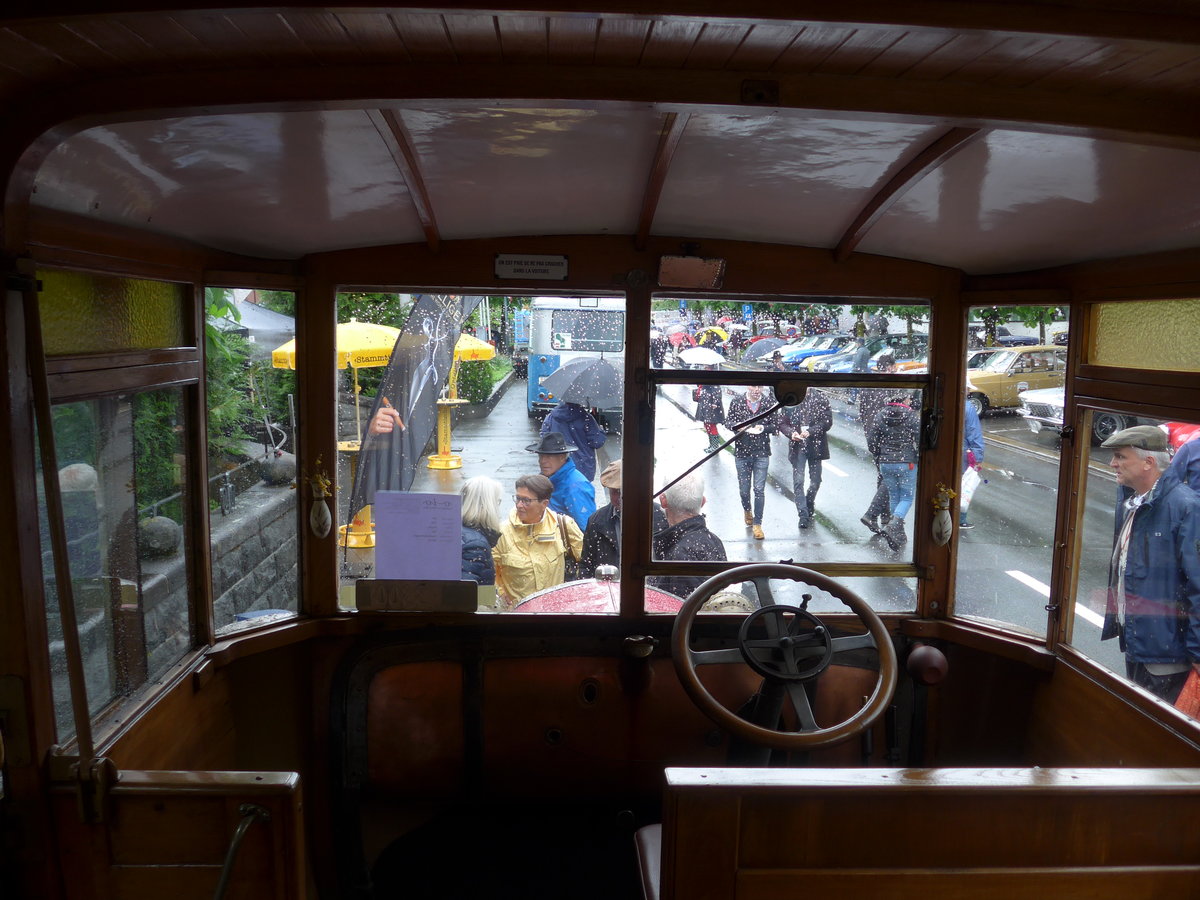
{"x": 74, "y": 433}
{"x": 157, "y": 418}
{"x": 475, "y": 379}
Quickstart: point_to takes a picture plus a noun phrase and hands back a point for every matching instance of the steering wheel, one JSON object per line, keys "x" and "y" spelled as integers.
{"x": 788, "y": 646}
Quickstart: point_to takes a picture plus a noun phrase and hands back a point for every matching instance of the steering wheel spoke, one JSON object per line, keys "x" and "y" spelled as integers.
{"x": 789, "y": 647}
{"x": 801, "y": 706}
{"x": 711, "y": 657}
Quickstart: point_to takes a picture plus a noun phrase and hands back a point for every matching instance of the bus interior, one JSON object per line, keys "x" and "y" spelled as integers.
{"x": 211, "y": 685}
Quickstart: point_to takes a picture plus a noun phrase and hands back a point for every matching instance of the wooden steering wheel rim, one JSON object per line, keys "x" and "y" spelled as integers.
{"x": 681, "y": 655}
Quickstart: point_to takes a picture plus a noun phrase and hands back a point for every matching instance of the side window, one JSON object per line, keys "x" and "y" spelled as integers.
{"x": 252, "y": 430}
{"x": 1008, "y": 489}
{"x": 123, "y": 472}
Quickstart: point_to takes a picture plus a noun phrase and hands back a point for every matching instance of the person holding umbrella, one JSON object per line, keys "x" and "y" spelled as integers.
{"x": 579, "y": 428}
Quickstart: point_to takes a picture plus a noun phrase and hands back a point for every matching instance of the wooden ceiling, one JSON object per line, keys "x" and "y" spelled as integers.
{"x": 729, "y": 102}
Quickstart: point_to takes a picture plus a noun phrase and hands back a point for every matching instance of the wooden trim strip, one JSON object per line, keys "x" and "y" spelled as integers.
{"x": 391, "y": 128}
{"x": 917, "y": 168}
{"x": 668, "y": 142}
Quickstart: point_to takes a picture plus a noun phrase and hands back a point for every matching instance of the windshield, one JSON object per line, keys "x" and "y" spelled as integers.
{"x": 588, "y": 329}
{"x": 999, "y": 361}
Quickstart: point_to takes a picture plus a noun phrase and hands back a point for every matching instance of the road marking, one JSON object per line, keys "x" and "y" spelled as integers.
{"x": 835, "y": 470}
{"x": 1044, "y": 589}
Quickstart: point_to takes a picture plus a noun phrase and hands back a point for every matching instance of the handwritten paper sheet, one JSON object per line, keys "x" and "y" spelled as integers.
{"x": 418, "y": 537}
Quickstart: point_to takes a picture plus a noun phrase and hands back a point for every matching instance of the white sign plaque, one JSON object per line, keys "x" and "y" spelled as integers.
{"x": 527, "y": 266}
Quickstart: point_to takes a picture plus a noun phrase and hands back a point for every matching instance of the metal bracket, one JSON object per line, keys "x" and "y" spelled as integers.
{"x": 94, "y": 781}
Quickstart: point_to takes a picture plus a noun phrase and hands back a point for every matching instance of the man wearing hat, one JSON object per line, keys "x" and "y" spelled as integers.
{"x": 577, "y": 426}
{"x": 573, "y": 494}
{"x": 1154, "y": 572}
{"x": 602, "y": 537}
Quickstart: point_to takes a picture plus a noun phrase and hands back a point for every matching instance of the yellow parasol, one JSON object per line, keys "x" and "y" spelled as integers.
{"x": 716, "y": 330}
{"x": 360, "y": 345}
{"x": 470, "y": 347}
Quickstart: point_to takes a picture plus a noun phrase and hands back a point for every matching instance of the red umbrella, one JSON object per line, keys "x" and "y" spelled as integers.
{"x": 682, "y": 337}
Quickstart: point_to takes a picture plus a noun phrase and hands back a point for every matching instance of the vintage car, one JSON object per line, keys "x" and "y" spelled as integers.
{"x": 1043, "y": 411}
{"x": 997, "y": 384}
{"x": 903, "y": 347}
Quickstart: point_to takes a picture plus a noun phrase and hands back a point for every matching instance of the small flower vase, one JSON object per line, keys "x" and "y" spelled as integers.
{"x": 943, "y": 527}
{"x": 320, "y": 520}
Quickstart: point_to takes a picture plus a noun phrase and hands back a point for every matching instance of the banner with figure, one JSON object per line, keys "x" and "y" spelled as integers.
{"x": 418, "y": 370}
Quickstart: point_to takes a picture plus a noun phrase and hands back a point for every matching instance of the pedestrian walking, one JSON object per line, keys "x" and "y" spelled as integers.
{"x": 806, "y": 426}
{"x": 870, "y": 403}
{"x": 710, "y": 411}
{"x": 893, "y": 441}
{"x": 972, "y": 461}
{"x": 752, "y": 453}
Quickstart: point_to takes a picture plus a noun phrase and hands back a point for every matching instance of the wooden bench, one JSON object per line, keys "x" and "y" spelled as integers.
{"x": 167, "y": 834}
{"x": 904, "y": 834}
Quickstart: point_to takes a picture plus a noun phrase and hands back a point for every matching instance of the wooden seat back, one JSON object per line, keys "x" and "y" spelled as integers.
{"x": 167, "y": 834}
{"x": 904, "y": 834}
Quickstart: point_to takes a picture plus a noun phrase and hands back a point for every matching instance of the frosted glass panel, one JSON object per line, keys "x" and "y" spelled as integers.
{"x": 1157, "y": 334}
{"x": 84, "y": 313}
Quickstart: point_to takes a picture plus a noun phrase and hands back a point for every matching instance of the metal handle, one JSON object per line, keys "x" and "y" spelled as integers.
{"x": 249, "y": 813}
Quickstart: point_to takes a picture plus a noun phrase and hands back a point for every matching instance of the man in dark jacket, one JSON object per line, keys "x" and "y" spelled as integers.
{"x": 806, "y": 426}
{"x": 893, "y": 439}
{"x": 870, "y": 402}
{"x": 1154, "y": 572}
{"x": 602, "y": 538}
{"x": 752, "y": 451}
{"x": 686, "y": 537}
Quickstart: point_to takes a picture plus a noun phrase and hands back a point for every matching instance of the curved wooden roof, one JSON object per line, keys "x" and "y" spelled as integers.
{"x": 989, "y": 136}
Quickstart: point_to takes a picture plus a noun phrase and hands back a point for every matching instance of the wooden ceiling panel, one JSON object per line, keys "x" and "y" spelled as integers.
{"x": 670, "y": 42}
{"x": 81, "y": 53}
{"x": 763, "y": 46}
{"x": 1046, "y": 61}
{"x": 1010, "y": 52}
{"x": 24, "y": 55}
{"x": 213, "y": 31}
{"x": 858, "y": 51}
{"x": 474, "y": 38}
{"x": 425, "y": 37}
{"x": 323, "y": 34}
{"x": 374, "y": 37}
{"x": 1163, "y": 69}
{"x": 572, "y": 41}
{"x": 265, "y": 34}
{"x": 716, "y": 45}
{"x": 913, "y": 48}
{"x": 112, "y": 35}
{"x": 620, "y": 41}
{"x": 523, "y": 38}
{"x": 811, "y": 47}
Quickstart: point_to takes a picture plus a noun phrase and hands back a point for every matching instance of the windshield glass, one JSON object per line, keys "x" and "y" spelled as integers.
{"x": 999, "y": 361}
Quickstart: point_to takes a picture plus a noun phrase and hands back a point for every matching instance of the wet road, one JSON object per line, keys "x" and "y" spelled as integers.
{"x": 1004, "y": 562}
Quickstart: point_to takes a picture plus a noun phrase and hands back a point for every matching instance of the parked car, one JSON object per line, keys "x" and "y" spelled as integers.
{"x": 825, "y": 345}
{"x": 1004, "y": 337}
{"x": 1043, "y": 412}
{"x": 998, "y": 382}
{"x": 976, "y": 358}
{"x": 902, "y": 346}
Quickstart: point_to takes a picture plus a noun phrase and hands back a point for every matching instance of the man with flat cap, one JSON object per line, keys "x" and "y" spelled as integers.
{"x": 1154, "y": 573}
{"x": 573, "y": 494}
{"x": 602, "y": 537}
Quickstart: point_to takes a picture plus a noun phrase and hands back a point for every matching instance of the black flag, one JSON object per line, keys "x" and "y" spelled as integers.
{"x": 416, "y": 373}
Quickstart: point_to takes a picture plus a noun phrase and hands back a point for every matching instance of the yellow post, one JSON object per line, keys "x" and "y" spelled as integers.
{"x": 361, "y": 530}
{"x": 444, "y": 459}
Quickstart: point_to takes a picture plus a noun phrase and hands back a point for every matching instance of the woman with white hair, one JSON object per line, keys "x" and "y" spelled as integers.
{"x": 480, "y": 528}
